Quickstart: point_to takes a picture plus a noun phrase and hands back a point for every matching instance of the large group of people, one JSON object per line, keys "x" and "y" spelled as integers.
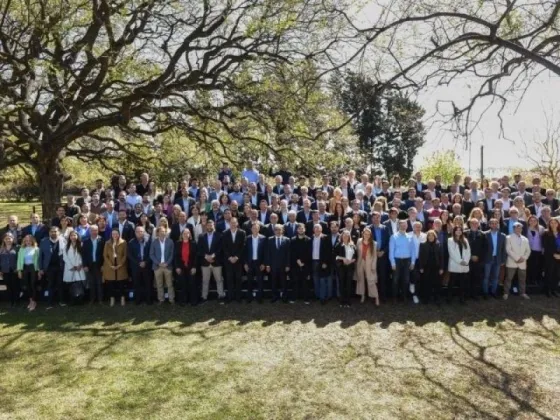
{"x": 247, "y": 238}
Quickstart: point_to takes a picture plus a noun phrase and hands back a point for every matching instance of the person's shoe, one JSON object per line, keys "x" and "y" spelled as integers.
{"x": 123, "y": 301}
{"x": 415, "y": 299}
{"x": 525, "y": 296}
{"x": 49, "y": 307}
{"x": 203, "y": 301}
{"x": 112, "y": 302}
{"x": 506, "y": 297}
{"x": 172, "y": 302}
{"x": 306, "y": 302}
{"x": 363, "y": 299}
{"x": 62, "y": 304}
{"x": 515, "y": 290}
{"x": 273, "y": 300}
{"x": 553, "y": 293}
{"x": 495, "y": 296}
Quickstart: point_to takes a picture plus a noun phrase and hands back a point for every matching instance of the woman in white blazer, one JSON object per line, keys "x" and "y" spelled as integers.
{"x": 518, "y": 252}
{"x": 72, "y": 256}
{"x": 459, "y": 257}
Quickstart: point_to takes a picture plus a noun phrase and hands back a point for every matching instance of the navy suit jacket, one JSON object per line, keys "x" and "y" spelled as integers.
{"x": 385, "y": 237}
{"x": 277, "y": 258}
{"x": 45, "y": 254}
{"x": 134, "y": 257}
{"x": 87, "y": 252}
{"x": 214, "y": 248}
{"x": 489, "y": 248}
{"x": 40, "y": 232}
{"x": 260, "y": 250}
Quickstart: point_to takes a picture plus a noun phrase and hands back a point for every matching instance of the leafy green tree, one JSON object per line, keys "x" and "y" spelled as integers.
{"x": 445, "y": 164}
{"x": 388, "y": 123}
{"x": 103, "y": 79}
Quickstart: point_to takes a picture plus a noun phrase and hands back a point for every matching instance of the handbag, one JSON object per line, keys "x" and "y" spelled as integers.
{"x": 77, "y": 289}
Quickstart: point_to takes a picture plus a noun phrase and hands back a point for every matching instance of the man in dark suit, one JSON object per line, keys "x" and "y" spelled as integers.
{"x": 255, "y": 247}
{"x": 477, "y": 244}
{"x": 304, "y": 215}
{"x": 381, "y": 236}
{"x": 60, "y": 214}
{"x": 488, "y": 202}
{"x": 325, "y": 186}
{"x": 420, "y": 186}
{"x": 233, "y": 241}
{"x": 178, "y": 228}
{"x": 537, "y": 205}
{"x": 290, "y": 228}
{"x": 551, "y": 201}
{"x": 50, "y": 265}
{"x": 309, "y": 226}
{"x": 211, "y": 254}
{"x": 35, "y": 229}
{"x": 346, "y": 189}
{"x": 300, "y": 252}
{"x": 269, "y": 230}
{"x": 92, "y": 258}
{"x": 185, "y": 201}
{"x": 508, "y": 225}
{"x": 321, "y": 259}
{"x": 140, "y": 267}
{"x": 126, "y": 228}
{"x": 494, "y": 257}
{"x": 522, "y": 192}
{"x": 277, "y": 261}
{"x": 392, "y": 223}
{"x": 264, "y": 213}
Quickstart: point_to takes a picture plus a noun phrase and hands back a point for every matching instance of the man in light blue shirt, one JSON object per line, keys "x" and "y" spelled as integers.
{"x": 402, "y": 254}
{"x": 250, "y": 173}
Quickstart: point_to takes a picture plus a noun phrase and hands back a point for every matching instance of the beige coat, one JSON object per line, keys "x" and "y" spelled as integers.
{"x": 108, "y": 261}
{"x": 517, "y": 248}
{"x": 366, "y": 271}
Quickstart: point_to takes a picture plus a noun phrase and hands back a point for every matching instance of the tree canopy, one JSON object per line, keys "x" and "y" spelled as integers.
{"x": 94, "y": 79}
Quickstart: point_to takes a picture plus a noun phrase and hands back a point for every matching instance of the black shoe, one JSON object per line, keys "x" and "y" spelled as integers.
{"x": 495, "y": 296}
{"x": 203, "y": 301}
{"x": 554, "y": 294}
{"x": 273, "y": 300}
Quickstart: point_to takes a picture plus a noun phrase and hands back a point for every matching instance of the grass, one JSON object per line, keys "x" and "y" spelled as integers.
{"x": 22, "y": 209}
{"x": 273, "y": 361}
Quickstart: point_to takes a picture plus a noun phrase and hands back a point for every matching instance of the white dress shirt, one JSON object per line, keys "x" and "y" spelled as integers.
{"x": 162, "y": 246}
{"x": 316, "y": 247}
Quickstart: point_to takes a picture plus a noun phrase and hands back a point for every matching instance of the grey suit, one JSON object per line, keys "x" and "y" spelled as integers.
{"x": 163, "y": 275}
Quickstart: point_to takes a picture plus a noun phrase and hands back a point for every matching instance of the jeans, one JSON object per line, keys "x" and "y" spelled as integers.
{"x": 320, "y": 282}
{"x": 491, "y": 273}
{"x": 401, "y": 277}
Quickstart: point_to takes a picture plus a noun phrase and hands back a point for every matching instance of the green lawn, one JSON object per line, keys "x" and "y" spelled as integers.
{"x": 491, "y": 360}
{"x": 22, "y": 209}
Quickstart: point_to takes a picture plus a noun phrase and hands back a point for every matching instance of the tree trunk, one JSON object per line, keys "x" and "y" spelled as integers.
{"x": 50, "y": 179}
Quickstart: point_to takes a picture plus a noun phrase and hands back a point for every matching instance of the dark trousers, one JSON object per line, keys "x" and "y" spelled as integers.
{"x": 55, "y": 285}
{"x": 117, "y": 288}
{"x": 401, "y": 277}
{"x": 95, "y": 282}
{"x": 278, "y": 283}
{"x": 29, "y": 280}
{"x": 382, "y": 275}
{"x": 12, "y": 284}
{"x": 345, "y": 278}
{"x": 233, "y": 273}
{"x": 458, "y": 279}
{"x": 254, "y": 280}
{"x": 535, "y": 268}
{"x": 551, "y": 277}
{"x": 476, "y": 275}
{"x": 189, "y": 287}
{"x": 430, "y": 284}
{"x": 300, "y": 283}
{"x": 142, "y": 279}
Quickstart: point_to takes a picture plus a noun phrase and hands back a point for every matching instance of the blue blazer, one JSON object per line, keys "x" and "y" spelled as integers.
{"x": 155, "y": 253}
{"x": 134, "y": 257}
{"x": 385, "y": 237}
{"x": 260, "y": 251}
{"x": 45, "y": 254}
{"x": 277, "y": 259}
{"x": 489, "y": 248}
{"x": 40, "y": 233}
{"x": 88, "y": 251}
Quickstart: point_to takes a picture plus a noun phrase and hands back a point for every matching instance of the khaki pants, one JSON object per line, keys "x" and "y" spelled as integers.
{"x": 164, "y": 276}
{"x": 521, "y": 277}
{"x": 207, "y": 272}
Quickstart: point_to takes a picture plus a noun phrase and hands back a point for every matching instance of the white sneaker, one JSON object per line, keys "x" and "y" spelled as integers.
{"x": 505, "y": 297}
{"x": 415, "y": 299}
{"x": 525, "y": 296}
{"x": 515, "y": 290}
